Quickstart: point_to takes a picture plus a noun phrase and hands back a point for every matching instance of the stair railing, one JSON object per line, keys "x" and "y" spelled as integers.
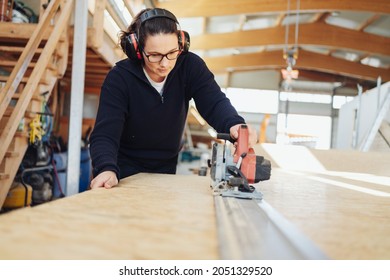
{"x": 24, "y": 60}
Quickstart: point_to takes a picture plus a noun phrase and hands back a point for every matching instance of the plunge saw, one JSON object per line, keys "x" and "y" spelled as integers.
{"x": 232, "y": 174}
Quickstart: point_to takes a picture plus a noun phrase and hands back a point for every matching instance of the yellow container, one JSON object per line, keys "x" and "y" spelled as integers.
{"x": 16, "y": 196}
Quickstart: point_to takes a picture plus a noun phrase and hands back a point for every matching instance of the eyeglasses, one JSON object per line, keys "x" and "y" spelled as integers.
{"x": 157, "y": 57}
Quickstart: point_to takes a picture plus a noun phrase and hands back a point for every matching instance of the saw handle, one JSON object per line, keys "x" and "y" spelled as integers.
{"x": 242, "y": 140}
{"x": 242, "y": 146}
{"x": 225, "y": 136}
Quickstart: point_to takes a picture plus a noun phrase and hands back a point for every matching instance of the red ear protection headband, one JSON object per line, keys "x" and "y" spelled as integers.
{"x": 132, "y": 48}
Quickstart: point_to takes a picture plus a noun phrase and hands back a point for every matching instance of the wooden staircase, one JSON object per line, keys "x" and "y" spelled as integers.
{"x": 35, "y": 62}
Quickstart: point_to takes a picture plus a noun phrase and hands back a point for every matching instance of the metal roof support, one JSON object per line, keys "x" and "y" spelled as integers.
{"x": 378, "y": 86}
{"x": 369, "y": 139}
{"x": 355, "y": 139}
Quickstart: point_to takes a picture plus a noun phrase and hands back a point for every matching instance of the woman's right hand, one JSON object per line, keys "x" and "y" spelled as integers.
{"x": 106, "y": 179}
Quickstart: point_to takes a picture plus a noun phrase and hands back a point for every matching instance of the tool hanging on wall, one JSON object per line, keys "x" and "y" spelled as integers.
{"x": 6, "y": 10}
{"x": 36, "y": 167}
{"x": 36, "y": 131}
{"x": 23, "y": 14}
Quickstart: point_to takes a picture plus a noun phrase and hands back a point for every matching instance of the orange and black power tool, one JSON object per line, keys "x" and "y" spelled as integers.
{"x": 232, "y": 174}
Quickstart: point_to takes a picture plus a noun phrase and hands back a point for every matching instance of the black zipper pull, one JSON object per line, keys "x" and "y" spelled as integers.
{"x": 162, "y": 99}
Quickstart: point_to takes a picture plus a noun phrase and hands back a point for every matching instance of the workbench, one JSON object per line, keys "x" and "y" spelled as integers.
{"x": 155, "y": 216}
{"x": 147, "y": 216}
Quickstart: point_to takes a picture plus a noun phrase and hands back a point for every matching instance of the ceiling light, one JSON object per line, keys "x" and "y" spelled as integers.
{"x": 290, "y": 54}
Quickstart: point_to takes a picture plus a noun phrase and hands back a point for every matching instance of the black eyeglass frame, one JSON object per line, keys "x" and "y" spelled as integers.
{"x": 162, "y": 55}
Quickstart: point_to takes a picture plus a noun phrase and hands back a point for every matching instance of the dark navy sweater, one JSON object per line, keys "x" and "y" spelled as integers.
{"x": 135, "y": 122}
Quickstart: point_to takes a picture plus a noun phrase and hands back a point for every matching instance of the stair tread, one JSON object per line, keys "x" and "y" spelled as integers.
{"x": 21, "y": 134}
{"x": 12, "y": 154}
{"x": 4, "y": 78}
{"x": 4, "y": 176}
{"x": 16, "y": 49}
{"x": 27, "y": 114}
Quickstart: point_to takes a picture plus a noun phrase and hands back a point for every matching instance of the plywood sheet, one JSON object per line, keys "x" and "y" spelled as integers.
{"x": 148, "y": 216}
{"x": 347, "y": 218}
{"x": 153, "y": 216}
{"x": 338, "y": 198}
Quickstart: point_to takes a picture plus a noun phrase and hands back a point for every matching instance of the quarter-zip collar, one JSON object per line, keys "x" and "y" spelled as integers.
{"x": 136, "y": 69}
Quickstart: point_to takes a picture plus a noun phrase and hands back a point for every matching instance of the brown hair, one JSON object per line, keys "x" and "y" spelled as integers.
{"x": 145, "y": 28}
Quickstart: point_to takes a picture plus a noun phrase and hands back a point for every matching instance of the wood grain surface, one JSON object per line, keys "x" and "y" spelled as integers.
{"x": 345, "y": 223}
{"x": 147, "y": 216}
{"x": 339, "y": 199}
{"x": 329, "y": 197}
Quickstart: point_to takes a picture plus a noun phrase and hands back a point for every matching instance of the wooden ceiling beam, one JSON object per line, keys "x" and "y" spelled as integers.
{"x": 307, "y": 60}
{"x": 369, "y": 21}
{"x": 313, "y": 75}
{"x": 279, "y": 19}
{"x": 207, "y": 8}
{"x": 319, "y": 34}
{"x": 320, "y": 17}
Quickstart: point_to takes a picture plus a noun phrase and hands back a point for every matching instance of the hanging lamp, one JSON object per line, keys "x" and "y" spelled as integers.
{"x": 290, "y": 54}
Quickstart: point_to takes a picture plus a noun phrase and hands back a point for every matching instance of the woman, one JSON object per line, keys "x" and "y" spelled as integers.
{"x": 144, "y": 101}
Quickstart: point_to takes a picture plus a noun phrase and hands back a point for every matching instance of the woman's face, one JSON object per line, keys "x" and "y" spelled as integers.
{"x": 155, "y": 46}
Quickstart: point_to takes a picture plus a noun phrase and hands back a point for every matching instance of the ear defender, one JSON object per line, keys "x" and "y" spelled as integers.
{"x": 132, "y": 48}
{"x": 184, "y": 41}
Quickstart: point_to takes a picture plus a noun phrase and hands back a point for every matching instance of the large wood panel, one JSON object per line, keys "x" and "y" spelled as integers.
{"x": 347, "y": 218}
{"x": 340, "y": 199}
{"x": 148, "y": 216}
